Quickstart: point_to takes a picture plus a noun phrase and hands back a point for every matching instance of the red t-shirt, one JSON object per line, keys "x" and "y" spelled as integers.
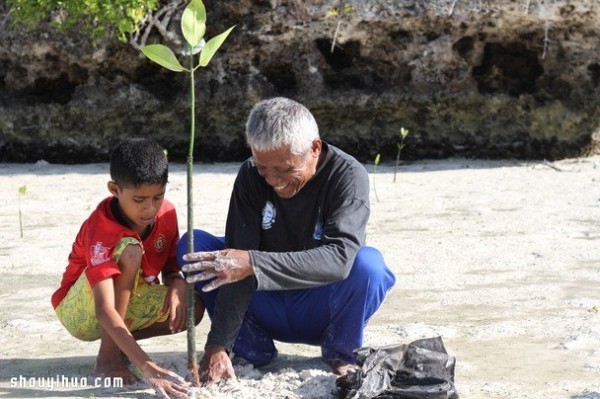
{"x": 101, "y": 232}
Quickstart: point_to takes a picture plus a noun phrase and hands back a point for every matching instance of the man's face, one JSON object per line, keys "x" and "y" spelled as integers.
{"x": 285, "y": 172}
{"x": 139, "y": 205}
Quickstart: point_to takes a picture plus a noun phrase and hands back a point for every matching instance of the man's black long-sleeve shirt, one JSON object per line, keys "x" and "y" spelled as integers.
{"x": 305, "y": 241}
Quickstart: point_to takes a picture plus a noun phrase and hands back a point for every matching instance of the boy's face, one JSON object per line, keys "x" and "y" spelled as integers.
{"x": 139, "y": 205}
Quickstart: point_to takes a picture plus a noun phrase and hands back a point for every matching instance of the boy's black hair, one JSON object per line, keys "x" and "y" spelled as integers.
{"x": 139, "y": 161}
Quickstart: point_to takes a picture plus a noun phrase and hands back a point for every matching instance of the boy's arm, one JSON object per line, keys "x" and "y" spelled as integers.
{"x": 112, "y": 322}
{"x": 176, "y": 301}
{"x": 167, "y": 383}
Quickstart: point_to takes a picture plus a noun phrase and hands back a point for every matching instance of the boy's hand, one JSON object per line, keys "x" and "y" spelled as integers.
{"x": 225, "y": 266}
{"x": 166, "y": 384}
{"x": 175, "y": 304}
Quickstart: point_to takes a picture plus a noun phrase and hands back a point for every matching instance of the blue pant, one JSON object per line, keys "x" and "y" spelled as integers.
{"x": 332, "y": 316}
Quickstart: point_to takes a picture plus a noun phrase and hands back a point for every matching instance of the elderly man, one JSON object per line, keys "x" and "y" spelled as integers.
{"x": 292, "y": 266}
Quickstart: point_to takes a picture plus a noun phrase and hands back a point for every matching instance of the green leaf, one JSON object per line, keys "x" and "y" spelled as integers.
{"x": 404, "y": 132}
{"x": 333, "y": 12}
{"x": 377, "y": 158}
{"x": 163, "y": 56}
{"x": 22, "y": 190}
{"x": 126, "y": 26}
{"x": 211, "y": 47}
{"x": 193, "y": 22}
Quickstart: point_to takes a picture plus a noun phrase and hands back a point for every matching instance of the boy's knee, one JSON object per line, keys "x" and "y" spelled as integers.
{"x": 88, "y": 336}
{"x": 131, "y": 258}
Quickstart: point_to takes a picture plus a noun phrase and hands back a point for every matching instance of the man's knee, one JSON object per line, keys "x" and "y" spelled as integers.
{"x": 368, "y": 261}
{"x": 370, "y": 267}
{"x": 203, "y": 241}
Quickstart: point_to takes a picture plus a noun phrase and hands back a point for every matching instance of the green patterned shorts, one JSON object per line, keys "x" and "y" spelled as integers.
{"x": 77, "y": 311}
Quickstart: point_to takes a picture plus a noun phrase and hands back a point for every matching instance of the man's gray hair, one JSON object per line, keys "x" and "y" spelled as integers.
{"x": 280, "y": 122}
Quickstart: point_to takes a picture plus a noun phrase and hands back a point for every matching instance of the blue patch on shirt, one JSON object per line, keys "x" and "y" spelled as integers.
{"x": 318, "y": 233}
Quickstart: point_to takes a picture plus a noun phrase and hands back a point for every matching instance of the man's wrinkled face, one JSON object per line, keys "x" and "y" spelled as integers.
{"x": 285, "y": 172}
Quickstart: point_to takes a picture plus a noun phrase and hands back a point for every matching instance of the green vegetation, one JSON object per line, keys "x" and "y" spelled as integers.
{"x": 343, "y": 9}
{"x": 193, "y": 26}
{"x": 97, "y": 18}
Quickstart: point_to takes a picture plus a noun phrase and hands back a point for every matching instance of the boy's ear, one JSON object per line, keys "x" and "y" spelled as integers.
{"x": 113, "y": 188}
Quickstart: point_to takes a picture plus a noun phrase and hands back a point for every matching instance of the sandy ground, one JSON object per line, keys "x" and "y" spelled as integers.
{"x": 501, "y": 259}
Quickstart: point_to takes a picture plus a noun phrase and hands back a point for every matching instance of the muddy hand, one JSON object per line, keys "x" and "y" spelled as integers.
{"x": 225, "y": 267}
{"x": 215, "y": 365}
{"x": 169, "y": 386}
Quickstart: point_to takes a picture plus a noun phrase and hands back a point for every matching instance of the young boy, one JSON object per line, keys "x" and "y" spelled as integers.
{"x": 110, "y": 289}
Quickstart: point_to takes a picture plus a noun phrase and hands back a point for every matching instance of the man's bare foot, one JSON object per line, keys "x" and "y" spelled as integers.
{"x": 340, "y": 367}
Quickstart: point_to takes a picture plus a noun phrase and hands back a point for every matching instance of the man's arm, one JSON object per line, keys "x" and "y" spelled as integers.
{"x": 233, "y": 299}
{"x": 242, "y": 233}
{"x": 343, "y": 234}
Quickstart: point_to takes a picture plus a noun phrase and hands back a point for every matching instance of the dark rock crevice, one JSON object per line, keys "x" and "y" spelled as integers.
{"x": 509, "y": 68}
{"x": 481, "y": 82}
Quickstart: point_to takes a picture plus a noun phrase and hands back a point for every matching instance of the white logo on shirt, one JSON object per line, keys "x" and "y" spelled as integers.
{"x": 99, "y": 254}
{"x": 268, "y": 216}
{"x": 318, "y": 232}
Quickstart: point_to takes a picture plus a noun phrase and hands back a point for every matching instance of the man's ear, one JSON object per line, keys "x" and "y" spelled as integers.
{"x": 317, "y": 145}
{"x": 113, "y": 188}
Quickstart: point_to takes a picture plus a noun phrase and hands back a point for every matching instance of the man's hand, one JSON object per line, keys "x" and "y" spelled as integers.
{"x": 226, "y": 266}
{"x": 215, "y": 365}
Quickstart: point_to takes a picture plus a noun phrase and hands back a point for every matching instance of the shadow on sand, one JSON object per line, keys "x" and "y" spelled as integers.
{"x": 71, "y": 377}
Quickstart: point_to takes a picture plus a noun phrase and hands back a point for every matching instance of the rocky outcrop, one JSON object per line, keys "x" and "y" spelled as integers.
{"x": 474, "y": 78}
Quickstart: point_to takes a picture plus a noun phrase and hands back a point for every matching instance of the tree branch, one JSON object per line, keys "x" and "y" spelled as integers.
{"x": 160, "y": 21}
{"x": 451, "y": 10}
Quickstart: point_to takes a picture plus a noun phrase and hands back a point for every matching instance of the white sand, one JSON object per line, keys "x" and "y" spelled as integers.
{"x": 502, "y": 259}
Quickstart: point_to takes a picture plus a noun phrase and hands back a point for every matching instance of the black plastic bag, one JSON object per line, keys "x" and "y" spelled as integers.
{"x": 420, "y": 370}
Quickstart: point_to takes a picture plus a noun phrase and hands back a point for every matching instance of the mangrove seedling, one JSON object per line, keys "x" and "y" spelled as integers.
{"x": 22, "y": 191}
{"x": 403, "y": 134}
{"x": 377, "y": 159}
{"x": 336, "y": 11}
{"x": 193, "y": 26}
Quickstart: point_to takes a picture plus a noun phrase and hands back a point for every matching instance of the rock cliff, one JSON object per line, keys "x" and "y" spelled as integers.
{"x": 473, "y": 78}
